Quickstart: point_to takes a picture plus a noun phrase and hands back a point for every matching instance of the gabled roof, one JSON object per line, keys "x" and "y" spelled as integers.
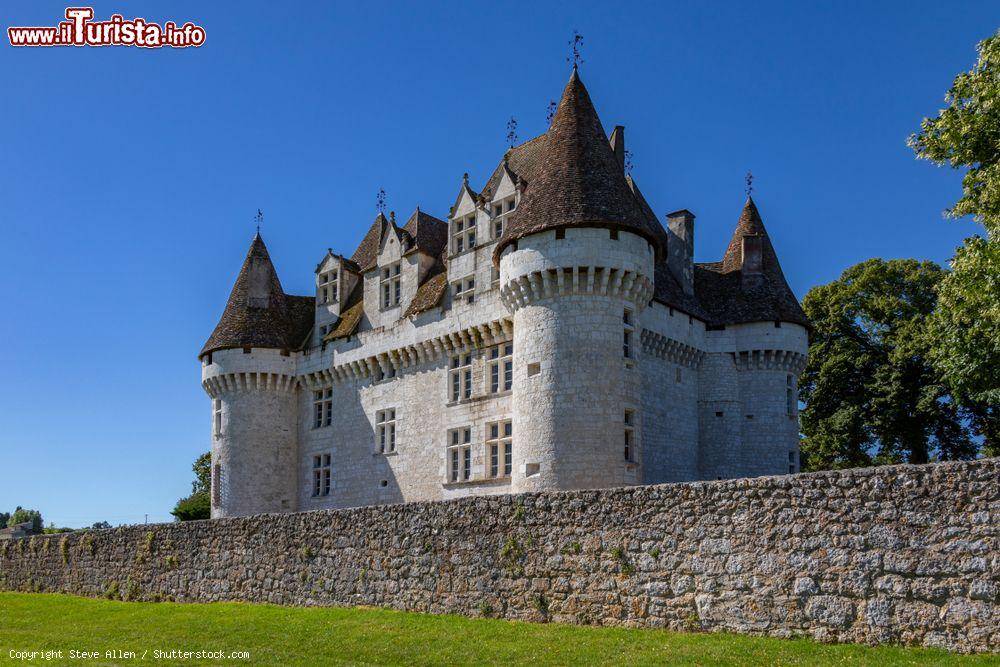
{"x": 367, "y": 251}
{"x": 259, "y": 313}
{"x": 521, "y": 161}
{"x": 428, "y": 234}
{"x": 465, "y": 189}
{"x": 579, "y": 181}
{"x": 726, "y": 296}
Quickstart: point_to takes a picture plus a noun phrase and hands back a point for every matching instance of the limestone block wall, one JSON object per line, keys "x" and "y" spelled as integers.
{"x": 904, "y": 554}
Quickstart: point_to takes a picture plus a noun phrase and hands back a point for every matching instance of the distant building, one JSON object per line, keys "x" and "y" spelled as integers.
{"x": 552, "y": 333}
{"x": 17, "y": 530}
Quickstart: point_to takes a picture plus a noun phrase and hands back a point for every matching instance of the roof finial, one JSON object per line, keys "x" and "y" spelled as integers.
{"x": 511, "y": 132}
{"x": 465, "y": 178}
{"x": 576, "y": 45}
{"x": 380, "y": 201}
{"x": 392, "y": 217}
{"x": 749, "y": 181}
{"x": 259, "y": 219}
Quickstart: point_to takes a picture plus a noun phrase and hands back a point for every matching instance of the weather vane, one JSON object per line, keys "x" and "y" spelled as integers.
{"x": 380, "y": 201}
{"x": 511, "y": 132}
{"x": 575, "y": 44}
{"x": 259, "y": 219}
{"x": 550, "y": 112}
{"x": 749, "y": 179}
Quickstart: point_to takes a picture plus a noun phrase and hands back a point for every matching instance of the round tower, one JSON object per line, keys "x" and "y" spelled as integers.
{"x": 249, "y": 375}
{"x": 576, "y": 271}
{"x": 748, "y": 414}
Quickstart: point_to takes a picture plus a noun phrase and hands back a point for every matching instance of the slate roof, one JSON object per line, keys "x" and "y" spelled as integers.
{"x": 719, "y": 288}
{"x": 426, "y": 233}
{"x": 275, "y": 320}
{"x": 579, "y": 181}
{"x": 367, "y": 250}
{"x": 521, "y": 161}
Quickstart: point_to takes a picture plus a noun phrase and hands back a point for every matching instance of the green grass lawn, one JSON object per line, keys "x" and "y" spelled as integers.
{"x": 320, "y": 636}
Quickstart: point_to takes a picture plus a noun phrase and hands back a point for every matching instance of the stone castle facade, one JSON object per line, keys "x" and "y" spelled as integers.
{"x": 551, "y": 334}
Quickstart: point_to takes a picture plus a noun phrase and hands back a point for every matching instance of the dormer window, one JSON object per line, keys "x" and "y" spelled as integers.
{"x": 327, "y": 287}
{"x": 390, "y": 285}
{"x": 464, "y": 234}
{"x": 500, "y": 211}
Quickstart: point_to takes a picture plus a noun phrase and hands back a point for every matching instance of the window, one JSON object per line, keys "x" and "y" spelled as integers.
{"x": 500, "y": 211}
{"x": 385, "y": 428}
{"x": 629, "y": 435}
{"x": 390, "y": 285}
{"x": 217, "y": 484}
{"x": 629, "y": 324}
{"x": 790, "y": 396}
{"x": 217, "y": 416}
{"x": 498, "y": 448}
{"x": 323, "y": 407}
{"x": 327, "y": 287}
{"x": 464, "y": 290}
{"x": 501, "y": 367}
{"x": 460, "y": 454}
{"x": 464, "y": 234}
{"x": 321, "y": 475}
{"x": 494, "y": 276}
{"x": 461, "y": 377}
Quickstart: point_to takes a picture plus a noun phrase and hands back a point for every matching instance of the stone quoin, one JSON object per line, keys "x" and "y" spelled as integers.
{"x": 551, "y": 334}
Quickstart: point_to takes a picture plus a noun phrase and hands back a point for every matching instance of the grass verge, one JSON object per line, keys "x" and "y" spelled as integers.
{"x": 275, "y": 635}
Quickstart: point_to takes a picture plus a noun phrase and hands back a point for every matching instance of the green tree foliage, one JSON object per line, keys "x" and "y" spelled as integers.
{"x": 199, "y": 504}
{"x": 22, "y": 515}
{"x": 966, "y": 327}
{"x": 872, "y": 395}
{"x": 101, "y": 525}
{"x": 194, "y": 507}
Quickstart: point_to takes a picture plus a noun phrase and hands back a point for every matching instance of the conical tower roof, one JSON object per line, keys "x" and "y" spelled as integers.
{"x": 580, "y": 182}
{"x": 723, "y": 287}
{"x": 257, "y": 313}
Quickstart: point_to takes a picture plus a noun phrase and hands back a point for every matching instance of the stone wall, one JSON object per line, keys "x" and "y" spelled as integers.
{"x": 905, "y": 554}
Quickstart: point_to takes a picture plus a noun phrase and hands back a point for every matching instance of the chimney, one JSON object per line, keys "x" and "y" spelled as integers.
{"x": 617, "y": 142}
{"x": 680, "y": 248}
{"x": 752, "y": 269}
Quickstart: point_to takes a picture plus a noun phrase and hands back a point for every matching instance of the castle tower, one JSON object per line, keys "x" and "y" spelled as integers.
{"x": 748, "y": 402}
{"x": 249, "y": 375}
{"x": 576, "y": 271}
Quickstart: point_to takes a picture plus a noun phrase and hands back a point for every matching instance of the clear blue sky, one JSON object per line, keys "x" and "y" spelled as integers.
{"x": 130, "y": 177}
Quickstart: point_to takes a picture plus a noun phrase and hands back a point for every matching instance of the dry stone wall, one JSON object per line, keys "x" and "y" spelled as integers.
{"x": 904, "y": 554}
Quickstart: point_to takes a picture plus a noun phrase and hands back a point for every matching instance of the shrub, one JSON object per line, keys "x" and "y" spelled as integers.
{"x": 195, "y": 507}
{"x": 112, "y": 591}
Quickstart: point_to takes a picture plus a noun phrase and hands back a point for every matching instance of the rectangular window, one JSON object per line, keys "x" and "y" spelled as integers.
{"x": 385, "y": 430}
{"x": 390, "y": 285}
{"x": 499, "y": 448}
{"x": 464, "y": 234}
{"x": 460, "y": 454}
{"x": 323, "y": 407}
{"x": 790, "y": 396}
{"x": 494, "y": 276}
{"x": 216, "y": 484}
{"x": 326, "y": 286}
{"x": 321, "y": 475}
{"x": 217, "y": 416}
{"x": 629, "y": 329}
{"x": 501, "y": 367}
{"x": 460, "y": 377}
{"x": 464, "y": 290}
{"x": 629, "y": 435}
{"x": 500, "y": 211}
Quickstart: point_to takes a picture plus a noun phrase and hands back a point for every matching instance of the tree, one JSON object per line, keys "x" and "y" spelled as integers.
{"x": 198, "y": 505}
{"x": 4, "y": 517}
{"x": 101, "y": 525}
{"x": 22, "y": 515}
{"x": 965, "y": 329}
{"x": 872, "y": 395}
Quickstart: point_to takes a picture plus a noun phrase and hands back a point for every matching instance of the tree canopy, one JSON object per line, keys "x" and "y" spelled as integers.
{"x": 22, "y": 515}
{"x": 198, "y": 505}
{"x": 965, "y": 329}
{"x": 871, "y": 393}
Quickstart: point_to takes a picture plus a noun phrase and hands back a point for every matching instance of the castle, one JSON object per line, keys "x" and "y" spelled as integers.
{"x": 550, "y": 334}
